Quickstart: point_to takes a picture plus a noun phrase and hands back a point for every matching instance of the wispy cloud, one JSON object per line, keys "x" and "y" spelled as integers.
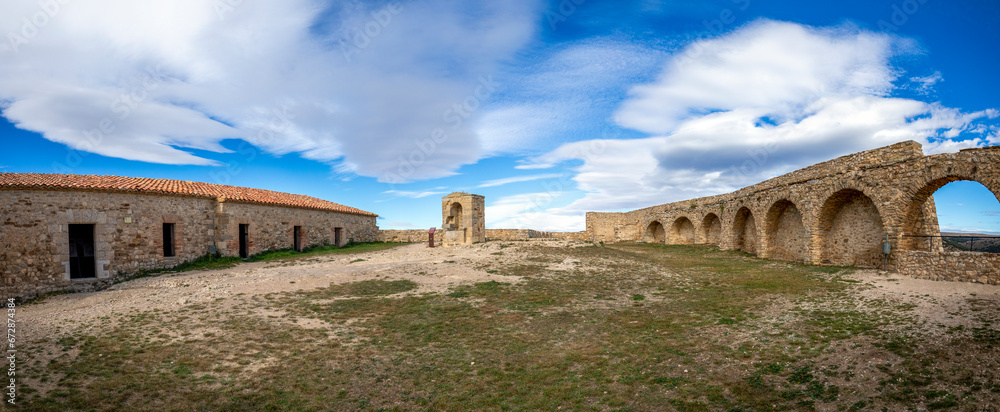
{"x": 924, "y": 84}
{"x": 763, "y": 100}
{"x": 352, "y": 84}
{"x": 517, "y": 179}
{"x": 412, "y": 194}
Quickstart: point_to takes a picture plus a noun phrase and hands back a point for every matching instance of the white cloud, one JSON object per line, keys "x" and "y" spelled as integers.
{"x": 925, "y": 84}
{"x": 762, "y": 101}
{"x": 564, "y": 97}
{"x": 518, "y": 179}
{"x": 412, "y": 194}
{"x": 530, "y": 211}
{"x": 296, "y": 77}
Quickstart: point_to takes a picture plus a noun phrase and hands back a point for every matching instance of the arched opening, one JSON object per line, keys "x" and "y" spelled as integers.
{"x": 455, "y": 216}
{"x": 682, "y": 232}
{"x": 655, "y": 233}
{"x": 745, "y": 230}
{"x": 957, "y": 209}
{"x": 712, "y": 227}
{"x": 851, "y": 230}
{"x": 786, "y": 235}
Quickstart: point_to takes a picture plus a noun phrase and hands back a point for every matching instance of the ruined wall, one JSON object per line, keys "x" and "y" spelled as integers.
{"x": 463, "y": 218}
{"x": 835, "y": 212}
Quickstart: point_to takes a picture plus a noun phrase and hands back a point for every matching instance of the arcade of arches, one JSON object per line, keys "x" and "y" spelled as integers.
{"x": 838, "y": 212}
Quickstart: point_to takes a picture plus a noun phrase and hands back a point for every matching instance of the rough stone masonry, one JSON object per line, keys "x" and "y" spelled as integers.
{"x": 134, "y": 224}
{"x": 837, "y": 212}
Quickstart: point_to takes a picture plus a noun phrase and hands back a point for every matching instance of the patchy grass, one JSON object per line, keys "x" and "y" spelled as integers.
{"x": 632, "y": 327}
{"x": 312, "y": 251}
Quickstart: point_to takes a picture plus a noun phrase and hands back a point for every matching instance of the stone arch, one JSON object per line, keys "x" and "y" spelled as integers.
{"x": 745, "y": 231}
{"x": 711, "y": 226}
{"x": 920, "y": 214}
{"x": 682, "y": 232}
{"x": 851, "y": 230}
{"x": 655, "y": 233}
{"x": 786, "y": 233}
{"x": 455, "y": 216}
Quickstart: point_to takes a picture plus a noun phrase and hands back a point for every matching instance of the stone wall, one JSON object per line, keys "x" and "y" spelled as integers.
{"x": 409, "y": 236}
{"x": 954, "y": 266}
{"x": 128, "y": 233}
{"x": 420, "y": 235}
{"x": 525, "y": 234}
{"x": 835, "y": 212}
{"x": 272, "y": 227}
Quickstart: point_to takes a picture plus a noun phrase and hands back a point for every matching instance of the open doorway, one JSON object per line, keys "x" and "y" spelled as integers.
{"x": 244, "y": 240}
{"x": 82, "y": 262}
{"x": 336, "y": 236}
{"x": 168, "y": 240}
{"x": 297, "y": 238}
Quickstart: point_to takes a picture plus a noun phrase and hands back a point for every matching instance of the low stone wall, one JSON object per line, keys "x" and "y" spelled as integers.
{"x": 409, "y": 236}
{"x": 525, "y": 234}
{"x": 953, "y": 266}
{"x": 420, "y": 235}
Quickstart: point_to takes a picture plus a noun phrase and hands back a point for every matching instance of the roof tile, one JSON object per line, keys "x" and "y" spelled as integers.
{"x": 169, "y": 187}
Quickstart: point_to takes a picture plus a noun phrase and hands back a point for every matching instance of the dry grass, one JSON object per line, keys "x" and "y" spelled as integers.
{"x": 623, "y": 327}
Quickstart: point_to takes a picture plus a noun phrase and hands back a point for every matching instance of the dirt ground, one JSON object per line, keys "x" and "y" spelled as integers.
{"x": 938, "y": 308}
{"x": 941, "y": 304}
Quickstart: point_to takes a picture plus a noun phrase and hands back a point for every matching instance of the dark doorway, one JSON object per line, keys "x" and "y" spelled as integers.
{"x": 244, "y": 241}
{"x": 336, "y": 236}
{"x": 82, "y": 264}
{"x": 168, "y": 240}
{"x": 297, "y": 238}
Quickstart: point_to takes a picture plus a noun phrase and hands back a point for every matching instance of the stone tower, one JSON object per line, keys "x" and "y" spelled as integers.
{"x": 464, "y": 219}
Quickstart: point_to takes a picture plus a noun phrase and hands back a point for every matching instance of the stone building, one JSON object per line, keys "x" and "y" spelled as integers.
{"x": 77, "y": 232}
{"x": 837, "y": 212}
{"x": 464, "y": 220}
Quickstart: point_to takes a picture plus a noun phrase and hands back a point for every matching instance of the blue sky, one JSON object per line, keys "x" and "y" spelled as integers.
{"x": 549, "y": 109}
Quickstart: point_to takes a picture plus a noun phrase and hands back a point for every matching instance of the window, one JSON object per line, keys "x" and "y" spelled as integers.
{"x": 168, "y": 240}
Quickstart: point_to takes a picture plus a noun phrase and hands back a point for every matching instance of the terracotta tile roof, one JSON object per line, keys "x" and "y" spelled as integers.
{"x": 169, "y": 187}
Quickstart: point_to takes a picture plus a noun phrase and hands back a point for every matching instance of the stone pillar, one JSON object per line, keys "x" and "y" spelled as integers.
{"x": 463, "y": 219}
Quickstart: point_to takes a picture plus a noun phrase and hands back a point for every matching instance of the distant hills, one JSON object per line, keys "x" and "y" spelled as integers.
{"x": 962, "y": 241}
